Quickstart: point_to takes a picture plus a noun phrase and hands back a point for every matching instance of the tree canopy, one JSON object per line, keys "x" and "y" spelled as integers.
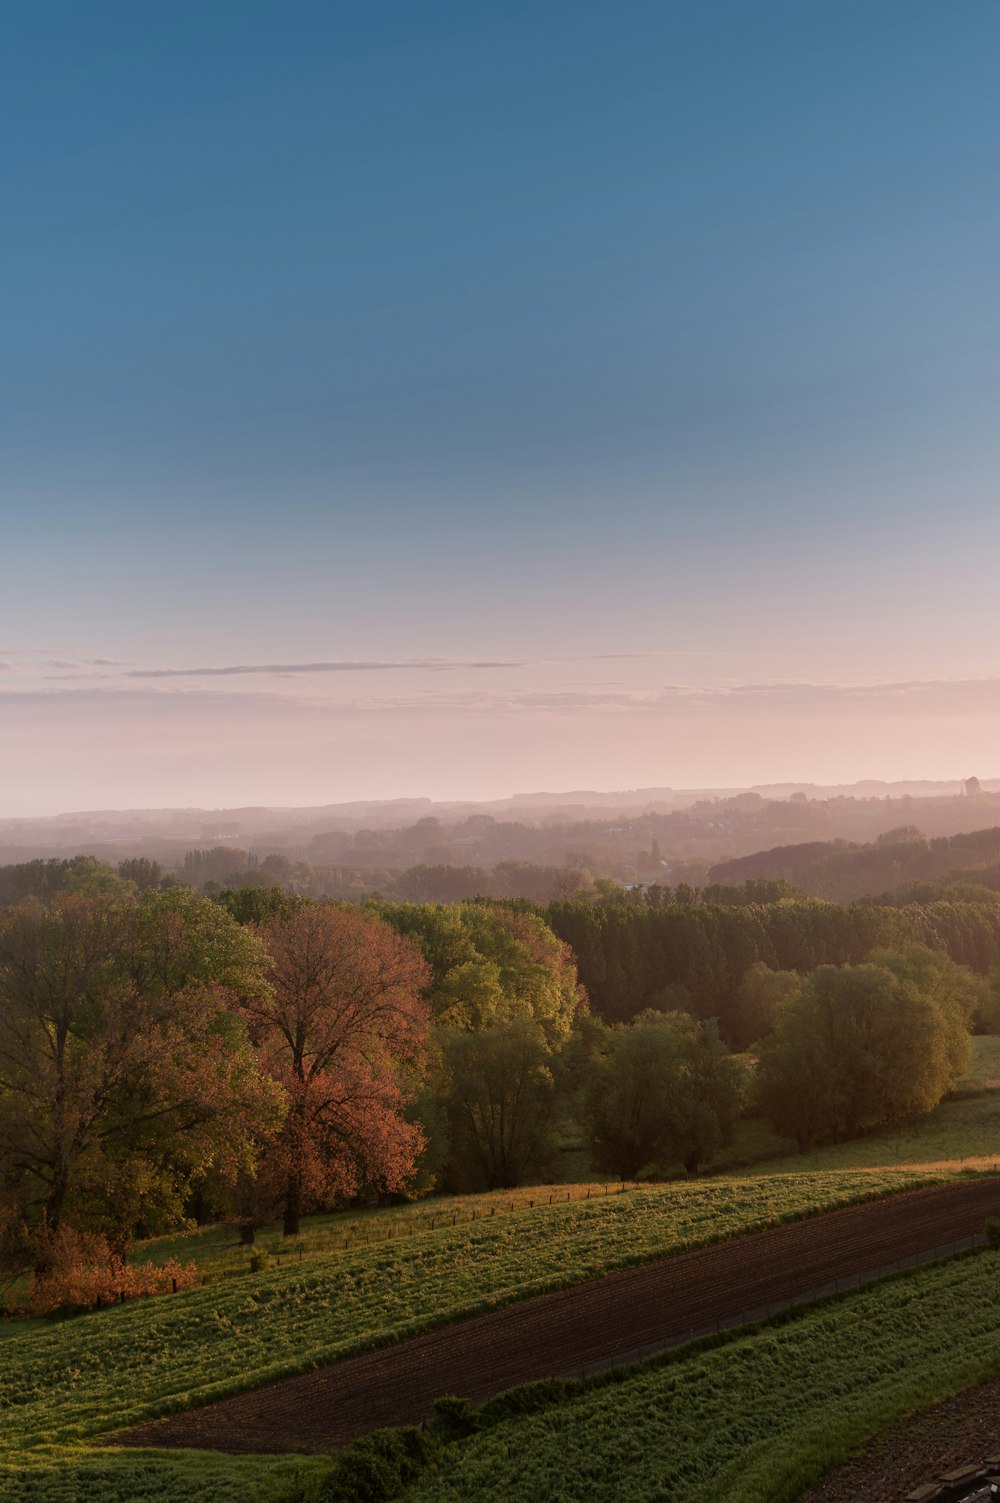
{"x": 864, "y": 1045}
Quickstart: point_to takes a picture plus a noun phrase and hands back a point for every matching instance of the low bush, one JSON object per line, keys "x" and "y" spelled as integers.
{"x": 453, "y": 1419}
{"x": 82, "y": 1270}
{"x": 378, "y": 1468}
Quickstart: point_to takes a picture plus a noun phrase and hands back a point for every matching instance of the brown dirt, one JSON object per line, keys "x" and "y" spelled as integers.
{"x": 560, "y": 1333}
{"x": 959, "y": 1432}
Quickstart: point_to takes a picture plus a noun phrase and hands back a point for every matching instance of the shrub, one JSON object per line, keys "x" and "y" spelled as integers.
{"x": 453, "y": 1419}
{"x": 81, "y": 1269}
{"x": 377, "y": 1469}
{"x": 992, "y": 1230}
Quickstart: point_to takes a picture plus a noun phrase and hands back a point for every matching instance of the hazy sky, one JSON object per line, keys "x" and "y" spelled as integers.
{"x": 491, "y": 397}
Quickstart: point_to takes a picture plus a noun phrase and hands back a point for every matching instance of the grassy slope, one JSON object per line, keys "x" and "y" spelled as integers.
{"x": 62, "y": 1383}
{"x": 79, "y": 1377}
{"x": 761, "y": 1417}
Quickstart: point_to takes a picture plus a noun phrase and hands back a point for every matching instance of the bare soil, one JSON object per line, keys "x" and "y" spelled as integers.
{"x": 559, "y": 1334}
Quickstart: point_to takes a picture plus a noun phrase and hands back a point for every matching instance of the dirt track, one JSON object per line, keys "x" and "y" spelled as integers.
{"x": 559, "y": 1333}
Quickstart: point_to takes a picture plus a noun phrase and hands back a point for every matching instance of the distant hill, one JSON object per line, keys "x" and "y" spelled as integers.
{"x": 648, "y": 835}
{"x": 895, "y": 863}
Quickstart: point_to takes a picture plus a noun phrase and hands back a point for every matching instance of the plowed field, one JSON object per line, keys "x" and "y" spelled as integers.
{"x": 562, "y": 1332}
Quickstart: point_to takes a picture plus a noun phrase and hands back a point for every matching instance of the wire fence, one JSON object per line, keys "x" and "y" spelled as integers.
{"x": 397, "y": 1227}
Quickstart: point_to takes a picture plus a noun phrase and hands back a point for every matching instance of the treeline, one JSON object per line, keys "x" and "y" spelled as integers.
{"x": 221, "y": 867}
{"x": 841, "y": 1051}
{"x": 165, "y": 1056}
{"x": 695, "y": 955}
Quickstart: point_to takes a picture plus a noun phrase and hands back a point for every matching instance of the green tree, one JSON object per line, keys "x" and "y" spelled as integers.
{"x": 861, "y": 1046}
{"x": 761, "y": 996}
{"x": 500, "y": 1094}
{"x": 666, "y": 1091}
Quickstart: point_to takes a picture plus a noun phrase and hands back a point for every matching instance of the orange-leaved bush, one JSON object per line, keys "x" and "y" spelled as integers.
{"x": 84, "y": 1270}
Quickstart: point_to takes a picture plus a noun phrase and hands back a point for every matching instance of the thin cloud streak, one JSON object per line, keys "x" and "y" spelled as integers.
{"x": 346, "y": 665}
{"x": 937, "y": 696}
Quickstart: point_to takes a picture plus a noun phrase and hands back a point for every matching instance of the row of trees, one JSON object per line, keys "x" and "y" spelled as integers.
{"x": 844, "y": 1050}
{"x": 697, "y": 956}
{"x": 163, "y": 1054}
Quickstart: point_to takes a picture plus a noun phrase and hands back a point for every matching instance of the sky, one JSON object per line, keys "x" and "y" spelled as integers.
{"x": 460, "y": 399}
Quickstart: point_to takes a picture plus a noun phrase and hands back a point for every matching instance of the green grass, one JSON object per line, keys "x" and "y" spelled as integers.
{"x": 79, "y": 1475}
{"x": 84, "y": 1377}
{"x": 218, "y": 1253}
{"x": 760, "y": 1417}
{"x": 983, "y": 1073}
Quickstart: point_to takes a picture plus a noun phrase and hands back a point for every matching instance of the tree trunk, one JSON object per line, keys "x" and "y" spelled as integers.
{"x": 293, "y": 1210}
{"x": 248, "y": 1234}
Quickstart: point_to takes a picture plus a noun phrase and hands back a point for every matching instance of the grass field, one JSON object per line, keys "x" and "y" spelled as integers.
{"x": 77, "y": 1474}
{"x": 760, "y": 1418}
{"x": 76, "y": 1378}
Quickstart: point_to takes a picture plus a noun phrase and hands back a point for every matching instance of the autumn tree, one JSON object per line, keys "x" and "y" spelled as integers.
{"x": 125, "y": 1069}
{"x": 344, "y": 1019}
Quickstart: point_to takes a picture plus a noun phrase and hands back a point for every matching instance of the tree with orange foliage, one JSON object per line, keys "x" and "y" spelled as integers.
{"x": 346, "y": 1018}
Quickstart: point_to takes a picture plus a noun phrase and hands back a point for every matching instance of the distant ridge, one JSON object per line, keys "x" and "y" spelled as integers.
{"x": 589, "y": 798}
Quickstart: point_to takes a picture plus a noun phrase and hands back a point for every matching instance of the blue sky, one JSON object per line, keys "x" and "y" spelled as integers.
{"x": 650, "y": 350}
